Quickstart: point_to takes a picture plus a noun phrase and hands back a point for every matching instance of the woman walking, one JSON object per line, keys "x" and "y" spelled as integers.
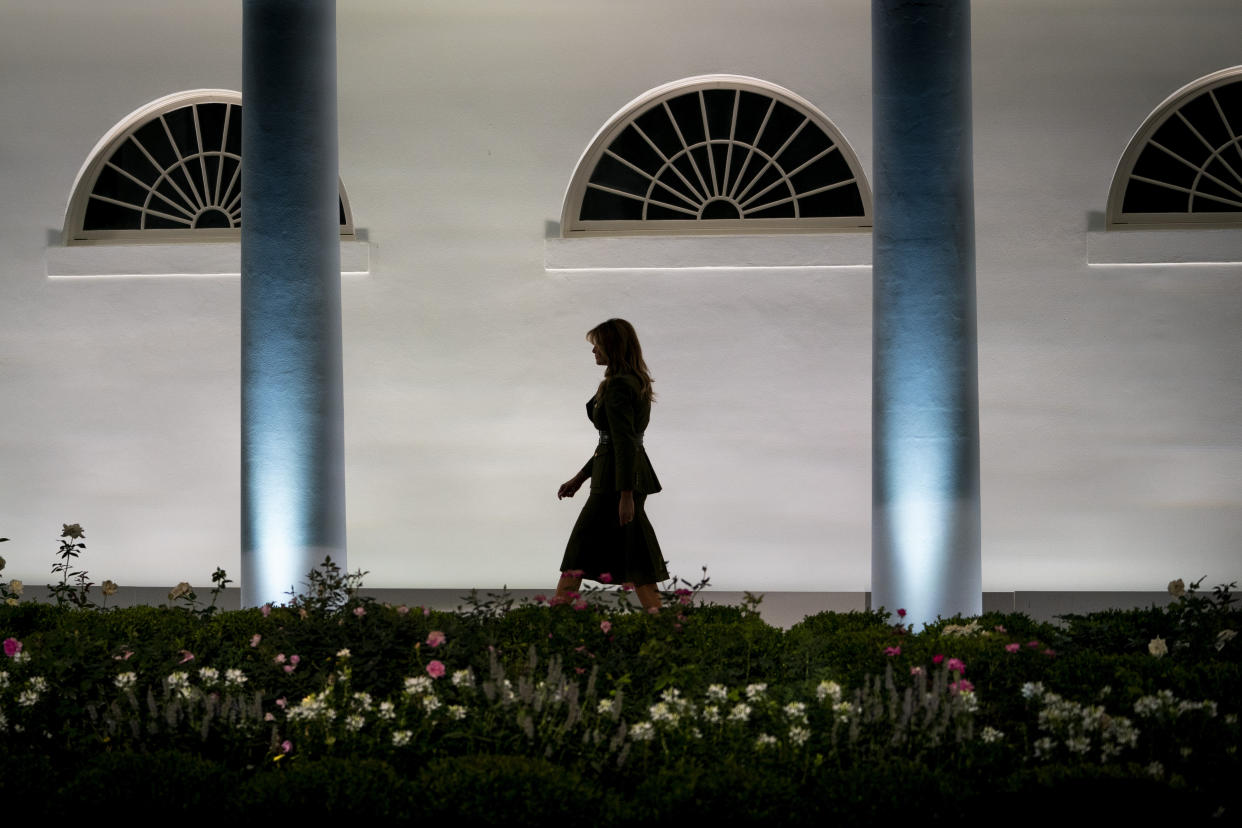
{"x": 612, "y": 539}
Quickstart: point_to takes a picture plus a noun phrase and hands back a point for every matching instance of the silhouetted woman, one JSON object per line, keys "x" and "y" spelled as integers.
{"x": 612, "y": 541}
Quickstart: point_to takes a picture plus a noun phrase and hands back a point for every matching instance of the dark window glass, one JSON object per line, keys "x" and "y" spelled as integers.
{"x": 100, "y": 215}
{"x": 598, "y": 204}
{"x": 716, "y": 149}
{"x": 202, "y": 189}
{"x": 1192, "y": 163}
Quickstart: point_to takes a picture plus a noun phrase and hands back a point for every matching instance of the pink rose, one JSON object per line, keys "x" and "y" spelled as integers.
{"x": 280, "y": 658}
{"x": 901, "y": 613}
{"x": 426, "y": 612}
{"x": 360, "y": 611}
{"x": 999, "y": 628}
{"x": 605, "y": 578}
{"x": 916, "y": 671}
{"x": 255, "y": 639}
{"x": 541, "y": 598}
{"x": 606, "y": 626}
{"x": 186, "y": 655}
{"x": 1034, "y": 644}
{"x": 955, "y": 665}
{"x": 281, "y": 702}
{"x": 962, "y": 686}
{"x": 435, "y": 638}
{"x": 286, "y": 746}
{"x": 580, "y": 604}
{"x": 12, "y": 647}
{"x": 294, "y": 659}
{"x": 403, "y": 610}
{"x": 435, "y": 669}
{"x": 1013, "y": 648}
{"x": 936, "y": 659}
{"x": 266, "y": 609}
{"x": 892, "y": 651}
{"x": 289, "y": 668}
{"x": 1050, "y": 652}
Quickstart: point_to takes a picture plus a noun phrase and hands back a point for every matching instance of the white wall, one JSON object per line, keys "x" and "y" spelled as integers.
{"x": 1112, "y": 441}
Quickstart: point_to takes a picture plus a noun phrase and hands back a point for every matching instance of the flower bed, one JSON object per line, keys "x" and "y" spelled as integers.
{"x": 516, "y": 712}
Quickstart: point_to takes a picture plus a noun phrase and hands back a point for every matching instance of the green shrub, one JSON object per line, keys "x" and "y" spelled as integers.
{"x": 509, "y": 790}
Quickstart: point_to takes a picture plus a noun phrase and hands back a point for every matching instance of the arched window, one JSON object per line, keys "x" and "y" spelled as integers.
{"x": 169, "y": 172}
{"x": 717, "y": 154}
{"x": 1184, "y": 164}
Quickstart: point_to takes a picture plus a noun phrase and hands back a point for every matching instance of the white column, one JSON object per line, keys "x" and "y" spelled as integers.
{"x": 925, "y": 555}
{"x": 293, "y": 470}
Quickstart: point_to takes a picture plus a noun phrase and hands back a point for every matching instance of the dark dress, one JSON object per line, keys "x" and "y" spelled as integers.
{"x": 598, "y": 543}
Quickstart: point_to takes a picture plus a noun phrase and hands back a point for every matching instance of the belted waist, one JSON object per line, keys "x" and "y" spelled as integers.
{"x": 605, "y": 439}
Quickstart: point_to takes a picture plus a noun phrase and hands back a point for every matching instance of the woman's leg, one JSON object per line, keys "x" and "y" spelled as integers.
{"x": 566, "y": 585}
{"x": 648, "y": 596}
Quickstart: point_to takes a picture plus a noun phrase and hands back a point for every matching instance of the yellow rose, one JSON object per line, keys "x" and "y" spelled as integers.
{"x": 1177, "y": 588}
{"x": 1157, "y": 647}
{"x": 15, "y": 586}
{"x": 108, "y": 588}
{"x": 178, "y": 591}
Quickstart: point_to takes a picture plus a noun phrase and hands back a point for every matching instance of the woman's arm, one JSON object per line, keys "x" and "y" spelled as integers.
{"x": 620, "y": 401}
{"x": 571, "y": 486}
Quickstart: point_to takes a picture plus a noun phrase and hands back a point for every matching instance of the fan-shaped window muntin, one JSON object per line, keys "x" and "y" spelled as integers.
{"x": 1184, "y": 164}
{"x": 717, "y": 154}
{"x": 171, "y": 171}
{"x": 188, "y": 187}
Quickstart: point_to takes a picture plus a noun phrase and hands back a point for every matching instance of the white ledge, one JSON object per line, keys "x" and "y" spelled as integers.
{"x": 1133, "y": 247}
{"x": 202, "y": 259}
{"x": 790, "y": 250}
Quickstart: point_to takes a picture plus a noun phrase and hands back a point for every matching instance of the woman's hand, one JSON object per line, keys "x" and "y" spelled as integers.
{"x": 569, "y": 487}
{"x": 625, "y": 510}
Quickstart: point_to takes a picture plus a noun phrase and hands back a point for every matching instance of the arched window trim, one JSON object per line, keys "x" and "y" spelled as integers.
{"x": 75, "y": 212}
{"x": 572, "y": 226}
{"x": 1115, "y": 217}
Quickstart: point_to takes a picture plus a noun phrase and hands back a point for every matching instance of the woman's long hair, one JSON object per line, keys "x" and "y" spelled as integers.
{"x": 617, "y": 339}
